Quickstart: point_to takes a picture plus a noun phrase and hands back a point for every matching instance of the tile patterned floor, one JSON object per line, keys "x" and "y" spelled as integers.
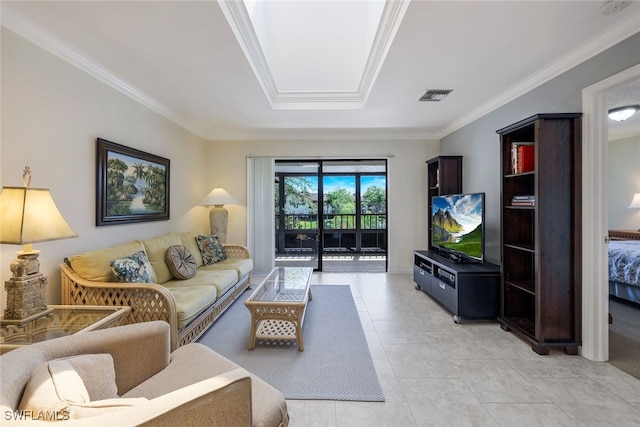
{"x": 335, "y": 263}
{"x": 438, "y": 373}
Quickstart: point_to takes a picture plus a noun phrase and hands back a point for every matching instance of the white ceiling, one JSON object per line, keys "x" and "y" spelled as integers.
{"x": 183, "y": 59}
{"x": 620, "y": 97}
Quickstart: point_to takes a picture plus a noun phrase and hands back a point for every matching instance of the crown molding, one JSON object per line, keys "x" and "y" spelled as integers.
{"x": 621, "y": 31}
{"x": 240, "y": 23}
{"x": 392, "y": 17}
{"x": 372, "y": 134}
{"x": 47, "y": 41}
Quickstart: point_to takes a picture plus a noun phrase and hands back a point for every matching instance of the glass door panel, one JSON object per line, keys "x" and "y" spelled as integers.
{"x": 373, "y": 213}
{"x": 296, "y": 204}
{"x": 339, "y": 210}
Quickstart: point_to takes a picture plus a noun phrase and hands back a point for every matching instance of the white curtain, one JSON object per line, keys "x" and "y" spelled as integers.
{"x": 260, "y": 212}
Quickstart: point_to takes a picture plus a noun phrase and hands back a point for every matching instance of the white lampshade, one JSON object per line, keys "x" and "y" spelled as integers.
{"x": 219, "y": 197}
{"x": 635, "y": 202}
{"x": 29, "y": 215}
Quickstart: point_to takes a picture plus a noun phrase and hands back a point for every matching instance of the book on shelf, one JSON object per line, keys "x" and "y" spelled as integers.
{"x": 528, "y": 200}
{"x": 522, "y": 157}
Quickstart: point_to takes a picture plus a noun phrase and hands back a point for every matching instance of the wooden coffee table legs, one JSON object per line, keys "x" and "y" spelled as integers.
{"x": 277, "y": 321}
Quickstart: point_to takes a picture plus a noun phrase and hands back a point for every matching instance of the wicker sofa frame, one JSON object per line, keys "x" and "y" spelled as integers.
{"x": 151, "y": 301}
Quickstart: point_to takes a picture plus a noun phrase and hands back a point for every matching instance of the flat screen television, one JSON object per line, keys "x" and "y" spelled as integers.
{"x": 457, "y": 226}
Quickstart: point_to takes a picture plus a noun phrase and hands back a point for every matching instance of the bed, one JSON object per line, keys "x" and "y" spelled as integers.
{"x": 624, "y": 269}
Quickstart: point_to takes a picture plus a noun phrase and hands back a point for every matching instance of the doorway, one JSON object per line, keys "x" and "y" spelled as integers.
{"x": 595, "y": 292}
{"x": 331, "y": 214}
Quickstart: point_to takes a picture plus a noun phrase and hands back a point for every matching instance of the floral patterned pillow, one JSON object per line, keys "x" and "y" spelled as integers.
{"x": 134, "y": 268}
{"x": 211, "y": 249}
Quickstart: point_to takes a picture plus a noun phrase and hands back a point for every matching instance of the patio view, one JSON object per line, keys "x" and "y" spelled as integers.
{"x": 350, "y": 228}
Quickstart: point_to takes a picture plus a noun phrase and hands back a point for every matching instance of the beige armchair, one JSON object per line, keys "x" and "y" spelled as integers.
{"x": 191, "y": 386}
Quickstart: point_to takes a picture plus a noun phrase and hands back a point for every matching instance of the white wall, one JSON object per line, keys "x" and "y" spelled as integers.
{"x": 478, "y": 142}
{"x": 623, "y": 182}
{"x": 52, "y": 114}
{"x": 406, "y": 181}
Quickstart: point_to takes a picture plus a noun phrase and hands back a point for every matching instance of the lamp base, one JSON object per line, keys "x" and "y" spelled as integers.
{"x": 218, "y": 220}
{"x": 26, "y": 289}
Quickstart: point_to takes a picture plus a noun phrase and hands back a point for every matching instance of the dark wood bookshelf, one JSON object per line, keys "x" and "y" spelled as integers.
{"x": 540, "y": 244}
{"x": 444, "y": 176}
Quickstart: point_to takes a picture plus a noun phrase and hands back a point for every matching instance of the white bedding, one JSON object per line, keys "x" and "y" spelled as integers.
{"x": 624, "y": 261}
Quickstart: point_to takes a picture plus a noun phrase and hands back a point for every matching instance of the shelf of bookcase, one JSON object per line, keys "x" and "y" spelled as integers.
{"x": 527, "y": 286}
{"x": 520, "y": 324}
{"x": 520, "y": 207}
{"x": 516, "y": 175}
{"x": 525, "y": 247}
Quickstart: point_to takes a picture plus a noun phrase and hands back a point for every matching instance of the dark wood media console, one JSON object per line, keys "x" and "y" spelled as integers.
{"x": 468, "y": 290}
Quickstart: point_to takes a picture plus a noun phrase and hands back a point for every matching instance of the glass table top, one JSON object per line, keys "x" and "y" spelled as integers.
{"x": 62, "y": 321}
{"x": 284, "y": 284}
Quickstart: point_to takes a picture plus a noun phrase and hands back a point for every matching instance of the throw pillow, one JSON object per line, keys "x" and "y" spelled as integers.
{"x": 57, "y": 391}
{"x": 134, "y": 268}
{"x": 180, "y": 262}
{"x": 98, "y": 373}
{"x": 211, "y": 249}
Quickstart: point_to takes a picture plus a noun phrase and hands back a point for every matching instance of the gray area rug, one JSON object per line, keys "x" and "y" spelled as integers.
{"x": 624, "y": 336}
{"x": 335, "y": 365}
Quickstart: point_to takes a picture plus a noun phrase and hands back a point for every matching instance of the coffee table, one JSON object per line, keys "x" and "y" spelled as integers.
{"x": 278, "y": 305}
{"x": 63, "y": 320}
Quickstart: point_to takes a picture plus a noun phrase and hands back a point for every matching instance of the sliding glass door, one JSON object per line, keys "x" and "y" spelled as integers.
{"x": 296, "y": 214}
{"x": 332, "y": 211}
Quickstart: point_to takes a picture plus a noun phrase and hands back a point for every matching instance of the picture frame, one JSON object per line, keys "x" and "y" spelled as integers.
{"x": 132, "y": 185}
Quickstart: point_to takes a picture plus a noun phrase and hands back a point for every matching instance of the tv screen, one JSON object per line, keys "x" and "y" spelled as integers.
{"x": 457, "y": 225}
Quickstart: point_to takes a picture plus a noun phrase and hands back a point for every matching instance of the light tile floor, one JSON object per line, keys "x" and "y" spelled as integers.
{"x": 334, "y": 263}
{"x": 437, "y": 373}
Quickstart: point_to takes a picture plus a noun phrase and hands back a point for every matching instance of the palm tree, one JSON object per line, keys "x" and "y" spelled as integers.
{"x": 139, "y": 172}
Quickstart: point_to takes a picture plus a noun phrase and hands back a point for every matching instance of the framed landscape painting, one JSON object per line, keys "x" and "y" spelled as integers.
{"x": 132, "y": 186}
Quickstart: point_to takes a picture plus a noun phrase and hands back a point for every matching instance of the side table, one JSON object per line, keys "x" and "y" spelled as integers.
{"x": 63, "y": 320}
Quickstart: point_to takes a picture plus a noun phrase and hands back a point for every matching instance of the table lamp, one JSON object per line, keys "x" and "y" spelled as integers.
{"x": 218, "y": 216}
{"x": 635, "y": 203}
{"x": 28, "y": 215}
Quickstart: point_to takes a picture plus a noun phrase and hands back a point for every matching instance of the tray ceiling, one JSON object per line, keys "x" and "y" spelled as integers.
{"x": 185, "y": 60}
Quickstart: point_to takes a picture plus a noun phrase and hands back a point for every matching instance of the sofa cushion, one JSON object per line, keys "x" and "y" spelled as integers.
{"x": 188, "y": 239}
{"x": 155, "y": 248}
{"x": 180, "y": 262}
{"x": 191, "y": 300}
{"x": 222, "y": 280}
{"x": 94, "y": 265}
{"x": 241, "y": 266}
{"x": 195, "y": 362}
{"x": 57, "y": 390}
{"x": 211, "y": 249}
{"x": 134, "y": 268}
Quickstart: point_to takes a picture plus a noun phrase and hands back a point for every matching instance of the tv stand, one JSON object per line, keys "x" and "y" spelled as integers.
{"x": 468, "y": 290}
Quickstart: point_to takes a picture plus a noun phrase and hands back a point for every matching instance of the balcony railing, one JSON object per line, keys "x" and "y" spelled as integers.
{"x": 333, "y": 222}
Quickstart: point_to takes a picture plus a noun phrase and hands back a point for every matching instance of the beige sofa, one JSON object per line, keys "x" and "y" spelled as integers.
{"x": 189, "y": 306}
{"x": 193, "y": 386}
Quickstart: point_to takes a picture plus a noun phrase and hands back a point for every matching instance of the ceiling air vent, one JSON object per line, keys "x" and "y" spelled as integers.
{"x": 435, "y": 94}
